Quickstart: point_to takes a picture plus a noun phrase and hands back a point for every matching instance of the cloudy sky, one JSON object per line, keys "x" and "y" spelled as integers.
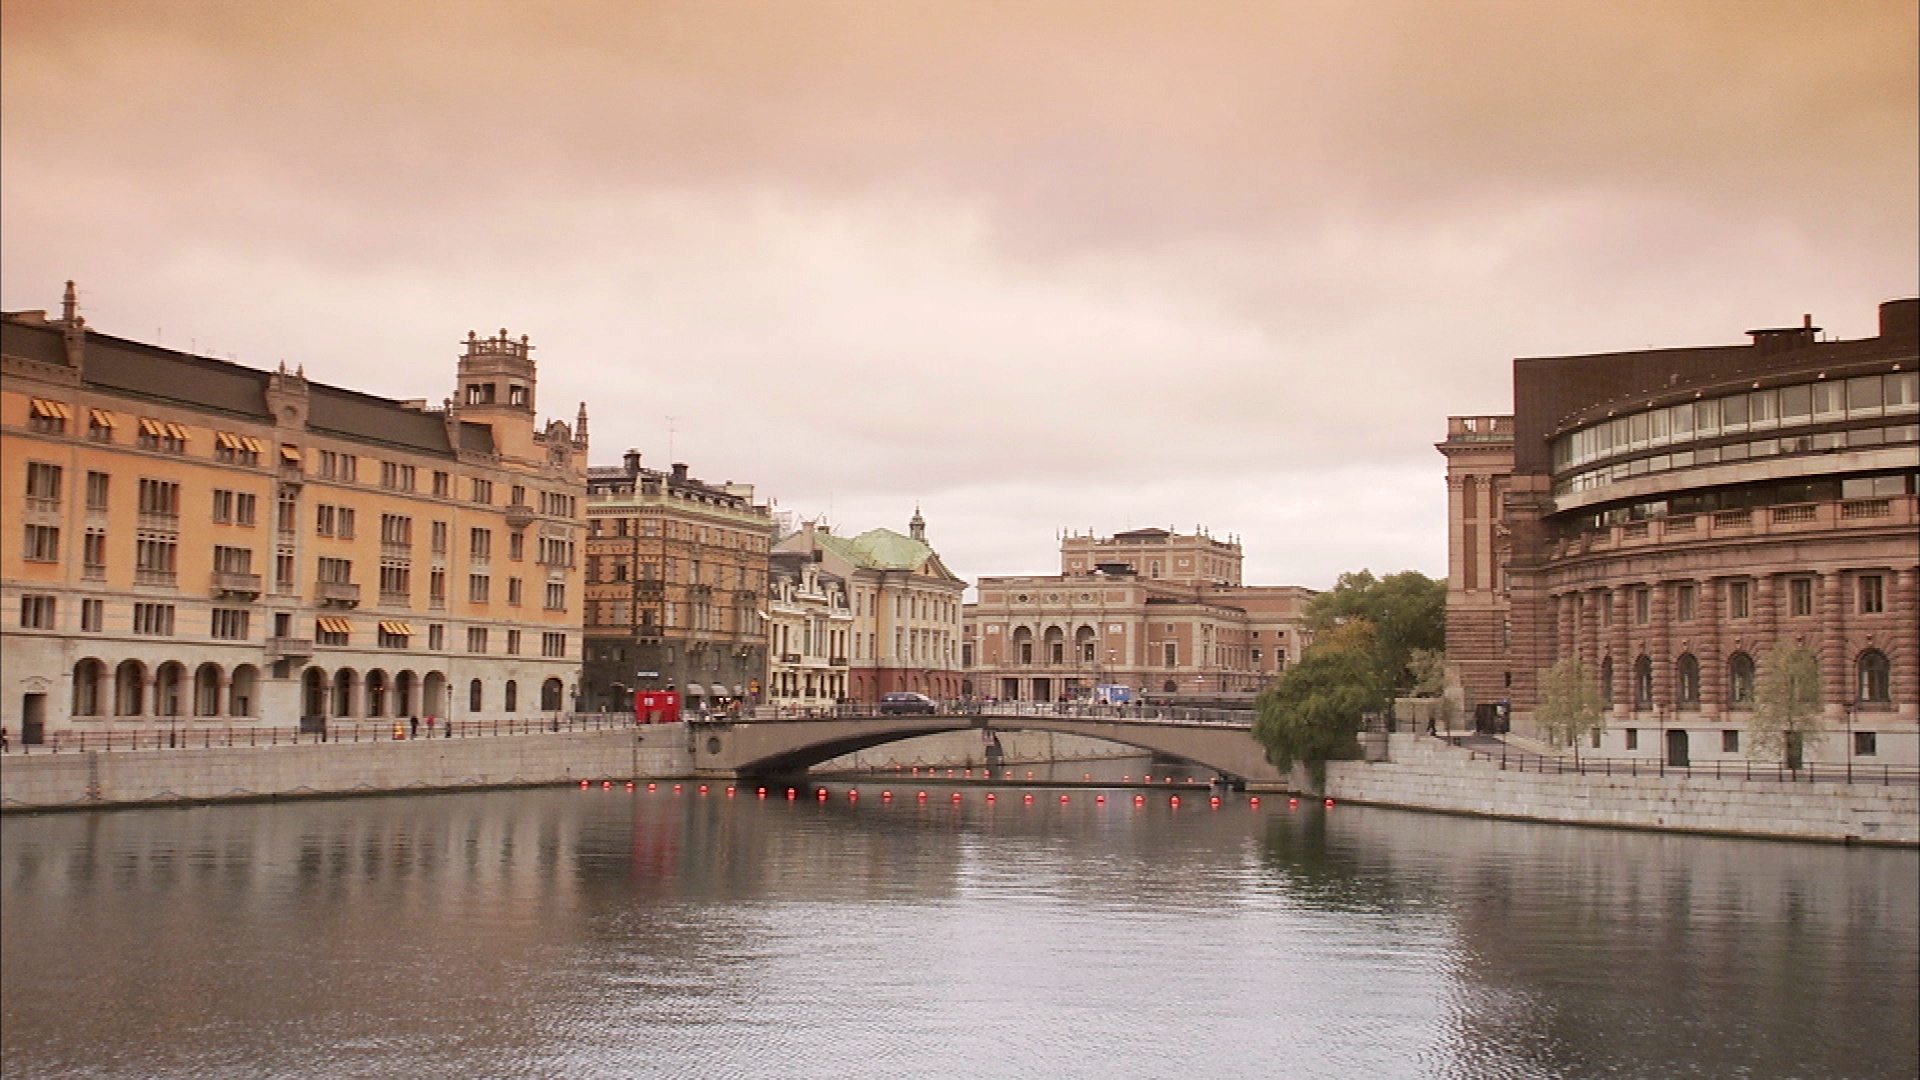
{"x": 1034, "y": 266}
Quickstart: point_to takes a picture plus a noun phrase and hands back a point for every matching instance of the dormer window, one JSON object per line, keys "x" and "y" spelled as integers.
{"x": 479, "y": 393}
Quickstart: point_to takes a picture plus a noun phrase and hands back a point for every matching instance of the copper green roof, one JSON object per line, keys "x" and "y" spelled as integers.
{"x": 884, "y": 549}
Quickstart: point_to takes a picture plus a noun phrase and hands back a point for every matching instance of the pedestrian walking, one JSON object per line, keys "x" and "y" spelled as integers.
{"x": 414, "y": 729}
{"x": 5, "y": 743}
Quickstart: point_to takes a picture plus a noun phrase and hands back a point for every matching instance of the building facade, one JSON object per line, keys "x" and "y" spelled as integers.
{"x": 1158, "y": 612}
{"x": 1479, "y": 452}
{"x": 905, "y": 634}
{"x": 810, "y": 629}
{"x": 1672, "y": 516}
{"x": 676, "y": 576}
{"x": 193, "y": 541}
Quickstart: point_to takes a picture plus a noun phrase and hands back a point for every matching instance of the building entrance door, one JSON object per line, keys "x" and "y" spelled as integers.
{"x": 1677, "y": 748}
{"x": 33, "y": 719}
{"x": 1043, "y": 689}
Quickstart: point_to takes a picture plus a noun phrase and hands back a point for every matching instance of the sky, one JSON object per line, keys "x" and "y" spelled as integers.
{"x": 1028, "y": 267}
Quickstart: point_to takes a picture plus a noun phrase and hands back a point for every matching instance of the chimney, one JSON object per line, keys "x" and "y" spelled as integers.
{"x": 632, "y": 461}
{"x": 679, "y": 472}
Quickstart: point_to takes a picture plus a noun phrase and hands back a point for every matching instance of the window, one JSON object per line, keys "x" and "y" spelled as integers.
{"x": 513, "y": 591}
{"x": 436, "y": 636}
{"x": 1688, "y": 672}
{"x": 553, "y": 644}
{"x": 93, "y": 615}
{"x": 287, "y": 511}
{"x": 1172, "y": 652}
{"x": 1739, "y": 599}
{"x": 483, "y": 491}
{"x": 1643, "y": 683}
{"x": 1633, "y": 738}
{"x": 1873, "y": 594}
{"x": 336, "y": 571}
{"x": 230, "y": 624}
{"x": 1683, "y": 603}
{"x": 476, "y": 639}
{"x": 43, "y": 486}
{"x": 1740, "y": 679}
{"x": 1875, "y": 678}
{"x": 559, "y": 552}
{"x": 283, "y": 571}
{"x": 99, "y": 425}
{"x": 516, "y": 547}
{"x": 93, "y": 554}
{"x": 234, "y": 507}
{"x": 159, "y": 498}
{"x": 480, "y": 545}
{"x": 1642, "y": 605}
{"x": 396, "y": 477}
{"x": 396, "y": 530}
{"x": 396, "y": 583}
{"x": 478, "y": 588}
{"x": 439, "y": 538}
{"x": 476, "y": 696}
{"x": 556, "y": 596}
{"x": 1866, "y": 743}
{"x": 1730, "y": 741}
{"x": 36, "y": 612}
{"x": 97, "y": 487}
{"x": 153, "y": 620}
{"x": 332, "y": 631}
{"x": 234, "y": 449}
{"x": 154, "y": 560}
{"x": 512, "y": 696}
{"x": 42, "y": 544}
{"x": 513, "y": 646}
{"x": 1800, "y": 596}
{"x": 232, "y": 560}
{"x": 437, "y": 588}
{"x": 392, "y": 635}
{"x": 442, "y": 484}
{"x": 342, "y": 467}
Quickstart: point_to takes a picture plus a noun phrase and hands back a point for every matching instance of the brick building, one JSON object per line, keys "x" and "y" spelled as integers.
{"x": 1673, "y": 514}
{"x": 191, "y": 541}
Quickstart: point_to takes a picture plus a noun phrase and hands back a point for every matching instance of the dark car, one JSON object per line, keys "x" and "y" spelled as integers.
{"x": 905, "y": 702}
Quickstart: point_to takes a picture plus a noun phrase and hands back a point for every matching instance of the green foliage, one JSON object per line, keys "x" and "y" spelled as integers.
{"x": 1408, "y": 612}
{"x": 1571, "y": 706}
{"x": 1429, "y": 668}
{"x": 1786, "y": 705}
{"x": 1313, "y": 712}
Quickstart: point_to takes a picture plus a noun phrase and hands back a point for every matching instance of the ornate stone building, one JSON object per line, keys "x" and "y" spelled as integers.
{"x": 1479, "y": 451}
{"x": 905, "y": 633}
{"x": 676, "y": 575}
{"x": 1672, "y": 515}
{"x": 810, "y": 627}
{"x": 1159, "y": 612}
{"x": 193, "y": 541}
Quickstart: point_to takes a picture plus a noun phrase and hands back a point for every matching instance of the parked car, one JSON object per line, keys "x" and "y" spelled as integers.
{"x": 907, "y": 702}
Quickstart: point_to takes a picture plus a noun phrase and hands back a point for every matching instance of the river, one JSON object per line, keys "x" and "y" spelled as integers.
{"x": 613, "y": 933}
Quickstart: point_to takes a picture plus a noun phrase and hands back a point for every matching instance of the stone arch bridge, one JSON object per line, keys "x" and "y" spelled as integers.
{"x": 785, "y": 748}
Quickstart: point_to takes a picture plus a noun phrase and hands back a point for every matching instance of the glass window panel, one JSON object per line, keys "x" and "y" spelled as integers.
{"x": 1872, "y": 436}
{"x": 1682, "y": 421}
{"x": 1616, "y": 435}
{"x": 1733, "y": 452}
{"x": 1637, "y": 432}
{"x": 1863, "y": 396}
{"x": 1659, "y": 463}
{"x": 1706, "y": 455}
{"x": 1682, "y": 459}
{"x": 1763, "y": 448}
{"x": 1829, "y": 400}
{"x": 1706, "y": 418}
{"x": 1733, "y": 413}
{"x": 1796, "y": 404}
{"x": 1903, "y": 391}
{"x": 1760, "y": 409}
{"x": 1657, "y": 431}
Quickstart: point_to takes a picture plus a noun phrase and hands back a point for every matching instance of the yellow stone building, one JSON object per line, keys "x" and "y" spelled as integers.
{"x": 194, "y": 542}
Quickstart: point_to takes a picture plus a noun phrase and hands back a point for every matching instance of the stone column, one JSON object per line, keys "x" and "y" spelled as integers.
{"x": 1710, "y": 611}
{"x": 1660, "y": 645}
{"x": 1833, "y": 648}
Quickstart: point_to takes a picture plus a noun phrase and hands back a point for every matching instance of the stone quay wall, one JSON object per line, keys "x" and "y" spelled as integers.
{"x": 1423, "y": 773}
{"x": 136, "y": 777}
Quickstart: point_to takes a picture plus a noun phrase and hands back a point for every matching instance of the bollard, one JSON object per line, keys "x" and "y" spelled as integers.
{"x": 629, "y": 785}
{"x": 1027, "y": 799}
{"x": 821, "y": 794}
{"x": 606, "y": 785}
{"x": 651, "y": 787}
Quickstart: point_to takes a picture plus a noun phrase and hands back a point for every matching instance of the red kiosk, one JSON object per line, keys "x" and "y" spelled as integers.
{"x": 656, "y": 707}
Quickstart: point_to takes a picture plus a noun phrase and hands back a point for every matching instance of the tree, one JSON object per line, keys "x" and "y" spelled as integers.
{"x": 1408, "y": 612}
{"x": 1786, "y": 705}
{"x": 1571, "y": 706}
{"x": 1429, "y": 668}
{"x": 1314, "y": 711}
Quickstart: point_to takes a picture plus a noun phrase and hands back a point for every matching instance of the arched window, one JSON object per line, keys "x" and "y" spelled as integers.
{"x": 513, "y": 695}
{"x": 1171, "y": 687}
{"x": 241, "y": 690}
{"x": 313, "y": 692}
{"x": 1083, "y": 643}
{"x": 1643, "y": 683}
{"x": 1740, "y": 679}
{"x": 551, "y": 694}
{"x": 343, "y": 692}
{"x": 206, "y": 690}
{"x": 130, "y": 688}
{"x": 1687, "y": 673}
{"x": 376, "y": 693}
{"x": 476, "y": 697}
{"x": 1023, "y": 645}
{"x": 88, "y": 674}
{"x": 1875, "y": 678}
{"x": 166, "y": 688}
{"x": 1606, "y": 679}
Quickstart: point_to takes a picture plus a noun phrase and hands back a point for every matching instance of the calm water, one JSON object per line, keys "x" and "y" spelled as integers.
{"x": 569, "y": 933}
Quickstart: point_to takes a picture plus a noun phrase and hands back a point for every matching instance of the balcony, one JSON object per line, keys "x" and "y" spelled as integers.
{"x": 232, "y": 584}
{"x": 837, "y": 661}
{"x": 281, "y": 647}
{"x": 1892, "y": 512}
{"x": 337, "y": 593}
{"x": 165, "y": 578}
{"x": 519, "y": 516}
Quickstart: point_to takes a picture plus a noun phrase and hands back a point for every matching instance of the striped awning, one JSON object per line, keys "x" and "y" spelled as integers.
{"x": 152, "y": 427}
{"x": 289, "y": 454}
{"x": 252, "y": 444}
{"x": 229, "y": 441}
{"x": 398, "y": 629}
{"x": 695, "y": 690}
{"x": 178, "y": 431}
{"x": 330, "y": 625}
{"x": 101, "y": 417}
{"x": 52, "y": 410}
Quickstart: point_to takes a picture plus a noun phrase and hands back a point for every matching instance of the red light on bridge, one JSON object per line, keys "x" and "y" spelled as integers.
{"x": 1329, "y": 802}
{"x": 703, "y": 789}
{"x": 763, "y": 793}
{"x": 956, "y": 796}
{"x": 1174, "y": 802}
{"x": 1139, "y": 800}
{"x": 793, "y": 793}
{"x": 1100, "y": 799}
{"x": 1214, "y": 802}
{"x": 605, "y": 784}
{"x": 923, "y": 796}
{"x": 1063, "y": 800}
{"x": 1255, "y": 801}
{"x": 991, "y": 796}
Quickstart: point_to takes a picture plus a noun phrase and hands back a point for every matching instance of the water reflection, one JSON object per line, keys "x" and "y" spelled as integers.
{"x": 614, "y": 933}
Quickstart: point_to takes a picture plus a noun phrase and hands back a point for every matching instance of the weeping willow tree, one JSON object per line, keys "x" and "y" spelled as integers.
{"x": 1786, "y": 706}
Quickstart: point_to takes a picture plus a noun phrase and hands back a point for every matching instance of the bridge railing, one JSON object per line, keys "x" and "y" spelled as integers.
{"x": 1821, "y": 772}
{"x": 117, "y": 735}
{"x": 1152, "y": 714}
